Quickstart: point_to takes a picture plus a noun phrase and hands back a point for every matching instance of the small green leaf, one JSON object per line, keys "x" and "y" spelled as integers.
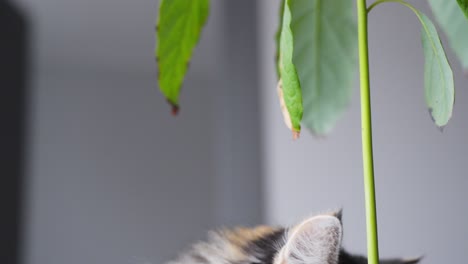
{"x": 289, "y": 87}
{"x": 455, "y": 25}
{"x": 178, "y": 30}
{"x": 325, "y": 56}
{"x": 438, "y": 76}
{"x": 464, "y": 6}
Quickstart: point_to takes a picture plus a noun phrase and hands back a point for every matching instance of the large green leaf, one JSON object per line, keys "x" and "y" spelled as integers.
{"x": 464, "y": 6}
{"x": 178, "y": 29}
{"x": 455, "y": 25}
{"x": 325, "y": 56}
{"x": 438, "y": 77}
{"x": 289, "y": 86}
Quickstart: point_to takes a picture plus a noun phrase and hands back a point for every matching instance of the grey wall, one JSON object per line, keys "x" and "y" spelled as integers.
{"x": 421, "y": 172}
{"x": 113, "y": 177}
{"x": 237, "y": 118}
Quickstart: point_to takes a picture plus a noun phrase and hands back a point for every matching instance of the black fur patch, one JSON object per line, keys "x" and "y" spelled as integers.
{"x": 346, "y": 258}
{"x": 265, "y": 248}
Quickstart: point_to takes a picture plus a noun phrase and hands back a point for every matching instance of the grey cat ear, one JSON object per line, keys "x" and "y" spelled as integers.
{"x": 339, "y": 214}
{"x": 314, "y": 241}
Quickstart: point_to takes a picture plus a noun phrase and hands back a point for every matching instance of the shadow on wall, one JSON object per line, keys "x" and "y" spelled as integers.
{"x": 13, "y": 83}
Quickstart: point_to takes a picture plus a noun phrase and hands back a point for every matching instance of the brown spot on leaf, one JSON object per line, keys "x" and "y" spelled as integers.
{"x": 174, "y": 108}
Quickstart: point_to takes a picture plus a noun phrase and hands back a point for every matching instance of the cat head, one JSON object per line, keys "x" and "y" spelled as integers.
{"x": 317, "y": 240}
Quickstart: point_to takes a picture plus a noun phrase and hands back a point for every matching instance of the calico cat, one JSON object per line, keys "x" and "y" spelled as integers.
{"x": 316, "y": 240}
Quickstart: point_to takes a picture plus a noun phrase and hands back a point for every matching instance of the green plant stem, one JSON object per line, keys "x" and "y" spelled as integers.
{"x": 366, "y": 131}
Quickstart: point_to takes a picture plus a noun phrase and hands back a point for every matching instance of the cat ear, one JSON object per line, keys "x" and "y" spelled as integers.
{"x": 338, "y": 214}
{"x": 314, "y": 241}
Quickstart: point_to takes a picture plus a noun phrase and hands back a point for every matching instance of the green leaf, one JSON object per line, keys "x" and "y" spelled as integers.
{"x": 277, "y": 37}
{"x": 289, "y": 86}
{"x": 438, "y": 76}
{"x": 455, "y": 25}
{"x": 464, "y": 6}
{"x": 179, "y": 25}
{"x": 325, "y": 55}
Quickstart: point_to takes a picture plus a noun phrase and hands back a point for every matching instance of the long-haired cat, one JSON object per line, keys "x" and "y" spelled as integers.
{"x": 316, "y": 240}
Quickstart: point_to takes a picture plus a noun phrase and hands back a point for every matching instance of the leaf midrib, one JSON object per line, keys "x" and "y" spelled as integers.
{"x": 317, "y": 26}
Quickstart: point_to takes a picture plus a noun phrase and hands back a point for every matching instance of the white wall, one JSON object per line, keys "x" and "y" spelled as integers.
{"x": 421, "y": 172}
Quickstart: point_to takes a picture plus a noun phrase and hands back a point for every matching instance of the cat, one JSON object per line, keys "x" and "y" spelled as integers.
{"x": 316, "y": 240}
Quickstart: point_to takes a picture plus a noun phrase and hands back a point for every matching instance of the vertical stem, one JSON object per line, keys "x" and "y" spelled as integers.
{"x": 366, "y": 130}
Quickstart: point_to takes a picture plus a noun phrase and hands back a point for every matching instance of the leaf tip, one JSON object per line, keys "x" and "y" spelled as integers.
{"x": 296, "y": 134}
{"x": 430, "y": 115}
{"x": 441, "y": 128}
{"x": 174, "y": 108}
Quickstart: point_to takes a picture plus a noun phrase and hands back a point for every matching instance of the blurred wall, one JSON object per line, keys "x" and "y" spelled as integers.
{"x": 421, "y": 172}
{"x": 113, "y": 177}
